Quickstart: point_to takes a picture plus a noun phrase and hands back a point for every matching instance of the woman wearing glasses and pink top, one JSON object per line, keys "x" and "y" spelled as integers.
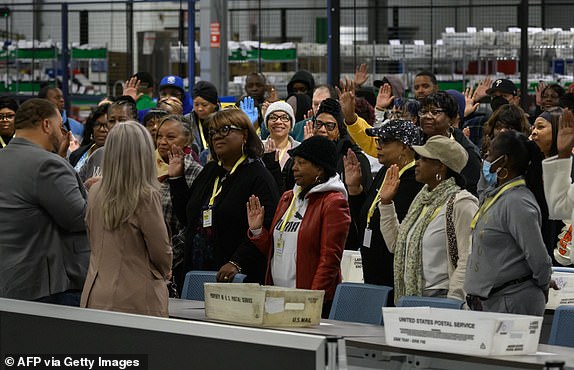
{"x": 213, "y": 208}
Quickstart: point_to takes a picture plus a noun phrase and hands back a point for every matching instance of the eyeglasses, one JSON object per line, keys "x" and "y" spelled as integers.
{"x": 100, "y": 126}
{"x": 330, "y": 126}
{"x": 433, "y": 112}
{"x": 383, "y": 141}
{"x": 223, "y": 131}
{"x": 7, "y": 117}
{"x": 283, "y": 118}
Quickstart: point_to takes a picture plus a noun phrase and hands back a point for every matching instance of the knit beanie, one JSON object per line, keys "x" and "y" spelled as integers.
{"x": 320, "y": 151}
{"x": 332, "y": 107}
{"x": 280, "y": 106}
{"x": 206, "y": 90}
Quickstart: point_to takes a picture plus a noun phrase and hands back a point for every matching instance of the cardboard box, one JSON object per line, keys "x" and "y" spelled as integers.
{"x": 463, "y": 332}
{"x": 564, "y": 296}
{"x": 352, "y": 266}
{"x": 253, "y": 304}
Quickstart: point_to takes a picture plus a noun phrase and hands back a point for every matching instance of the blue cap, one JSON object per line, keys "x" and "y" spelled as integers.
{"x": 172, "y": 81}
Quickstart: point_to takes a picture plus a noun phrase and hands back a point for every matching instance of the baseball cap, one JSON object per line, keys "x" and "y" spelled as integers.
{"x": 503, "y": 85}
{"x": 397, "y": 129}
{"x": 446, "y": 150}
{"x": 172, "y": 81}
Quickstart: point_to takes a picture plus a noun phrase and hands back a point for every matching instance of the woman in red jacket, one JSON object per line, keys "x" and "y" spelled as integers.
{"x": 310, "y": 226}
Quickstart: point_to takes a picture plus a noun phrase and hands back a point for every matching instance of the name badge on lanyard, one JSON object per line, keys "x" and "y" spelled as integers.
{"x": 207, "y": 218}
{"x": 279, "y": 246}
{"x": 367, "y": 238}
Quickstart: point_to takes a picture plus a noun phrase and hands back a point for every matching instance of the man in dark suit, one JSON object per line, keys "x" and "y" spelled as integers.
{"x": 44, "y": 251}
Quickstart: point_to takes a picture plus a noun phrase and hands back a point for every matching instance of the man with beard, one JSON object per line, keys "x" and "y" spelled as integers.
{"x": 55, "y": 95}
{"x": 43, "y": 240}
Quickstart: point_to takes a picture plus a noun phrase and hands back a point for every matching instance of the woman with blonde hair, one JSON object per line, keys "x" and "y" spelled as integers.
{"x": 131, "y": 255}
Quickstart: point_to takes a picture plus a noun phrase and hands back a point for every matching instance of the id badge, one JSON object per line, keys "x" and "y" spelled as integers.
{"x": 279, "y": 247}
{"x": 367, "y": 238}
{"x": 207, "y": 218}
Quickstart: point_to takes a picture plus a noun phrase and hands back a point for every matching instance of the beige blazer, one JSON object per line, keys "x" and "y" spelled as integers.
{"x": 128, "y": 265}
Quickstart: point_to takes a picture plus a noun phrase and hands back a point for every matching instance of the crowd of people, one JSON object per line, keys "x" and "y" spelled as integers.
{"x": 471, "y": 200}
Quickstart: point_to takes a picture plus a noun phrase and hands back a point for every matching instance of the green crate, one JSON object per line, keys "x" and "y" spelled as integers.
{"x": 25, "y": 86}
{"x": 282, "y": 54}
{"x": 36, "y": 53}
{"x": 89, "y": 54}
{"x": 267, "y": 55}
{"x": 451, "y": 85}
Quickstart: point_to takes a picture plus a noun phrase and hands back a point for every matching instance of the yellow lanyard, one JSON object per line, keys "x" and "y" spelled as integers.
{"x": 490, "y": 201}
{"x": 4, "y": 143}
{"x": 289, "y": 212}
{"x": 378, "y": 198}
{"x": 216, "y": 187}
{"x": 203, "y": 141}
{"x": 91, "y": 150}
{"x": 434, "y": 214}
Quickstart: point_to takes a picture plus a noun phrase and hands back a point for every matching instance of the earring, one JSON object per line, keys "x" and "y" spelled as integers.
{"x": 438, "y": 177}
{"x": 243, "y": 148}
{"x": 499, "y": 173}
{"x": 317, "y": 179}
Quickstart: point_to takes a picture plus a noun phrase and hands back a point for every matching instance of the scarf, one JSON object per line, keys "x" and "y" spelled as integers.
{"x": 409, "y": 268}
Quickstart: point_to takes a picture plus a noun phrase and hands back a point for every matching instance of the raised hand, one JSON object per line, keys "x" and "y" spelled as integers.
{"x": 272, "y": 94}
{"x": 385, "y": 97}
{"x": 471, "y": 106}
{"x": 347, "y": 100}
{"x": 308, "y": 130}
{"x": 270, "y": 147}
{"x": 541, "y": 86}
{"x": 565, "y": 141}
{"x": 248, "y": 107}
{"x": 264, "y": 107}
{"x": 361, "y": 75}
{"x": 255, "y": 213}
{"x": 131, "y": 88}
{"x": 353, "y": 175}
{"x": 309, "y": 114}
{"x": 175, "y": 167}
{"x": 390, "y": 185}
{"x": 480, "y": 91}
